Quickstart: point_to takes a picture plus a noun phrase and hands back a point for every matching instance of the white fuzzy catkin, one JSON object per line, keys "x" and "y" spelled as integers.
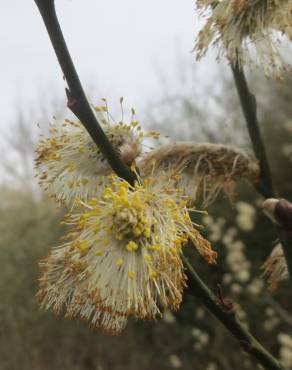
{"x": 247, "y": 32}
{"x": 275, "y": 267}
{"x": 202, "y": 170}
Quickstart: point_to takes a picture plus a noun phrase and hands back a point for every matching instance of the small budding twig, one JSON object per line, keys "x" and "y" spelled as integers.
{"x": 223, "y": 310}
{"x": 265, "y": 187}
{"x": 77, "y": 101}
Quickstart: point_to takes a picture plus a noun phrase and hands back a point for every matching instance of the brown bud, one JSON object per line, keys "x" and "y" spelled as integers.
{"x": 279, "y": 211}
{"x": 283, "y": 214}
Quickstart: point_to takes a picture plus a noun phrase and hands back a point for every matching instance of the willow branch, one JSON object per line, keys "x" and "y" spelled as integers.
{"x": 224, "y": 311}
{"x": 77, "y": 101}
{"x": 282, "y": 313}
{"x": 265, "y": 187}
{"x": 249, "y": 108}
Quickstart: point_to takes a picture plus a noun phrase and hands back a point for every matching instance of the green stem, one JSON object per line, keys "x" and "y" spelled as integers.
{"x": 77, "y": 100}
{"x": 227, "y": 316}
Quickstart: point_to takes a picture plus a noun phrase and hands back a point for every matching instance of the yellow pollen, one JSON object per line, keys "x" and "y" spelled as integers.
{"x": 105, "y": 242}
{"x": 137, "y": 231}
{"x": 99, "y": 253}
{"x": 155, "y": 247}
{"x": 147, "y": 258}
{"x": 173, "y": 250}
{"x": 119, "y": 236}
{"x": 70, "y": 184}
{"x": 131, "y": 246}
{"x": 84, "y": 181}
{"x": 96, "y": 227}
{"x": 107, "y": 193}
{"x": 147, "y": 232}
{"x": 120, "y": 261}
{"x": 71, "y": 167}
{"x": 93, "y": 201}
{"x": 82, "y": 245}
{"x": 131, "y": 274}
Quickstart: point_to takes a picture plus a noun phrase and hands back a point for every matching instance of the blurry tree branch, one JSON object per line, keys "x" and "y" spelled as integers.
{"x": 248, "y": 104}
{"x": 265, "y": 187}
{"x": 224, "y": 311}
{"x": 77, "y": 101}
{"x": 283, "y": 314}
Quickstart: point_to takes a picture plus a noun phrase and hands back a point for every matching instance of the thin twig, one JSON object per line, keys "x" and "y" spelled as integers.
{"x": 77, "y": 100}
{"x": 249, "y": 108}
{"x": 265, "y": 187}
{"x": 282, "y": 313}
{"x": 226, "y": 314}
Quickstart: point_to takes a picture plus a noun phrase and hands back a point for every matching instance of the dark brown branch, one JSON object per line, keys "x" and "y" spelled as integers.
{"x": 77, "y": 100}
{"x": 265, "y": 187}
{"x": 225, "y": 313}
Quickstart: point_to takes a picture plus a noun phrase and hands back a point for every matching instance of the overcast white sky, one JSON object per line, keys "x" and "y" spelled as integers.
{"x": 117, "y": 47}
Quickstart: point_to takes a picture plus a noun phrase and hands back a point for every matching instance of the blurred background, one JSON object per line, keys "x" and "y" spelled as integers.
{"x": 127, "y": 49}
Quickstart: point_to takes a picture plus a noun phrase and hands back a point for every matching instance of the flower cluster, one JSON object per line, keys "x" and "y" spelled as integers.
{"x": 203, "y": 169}
{"x": 69, "y": 164}
{"x": 247, "y": 32}
{"x": 122, "y": 255}
{"x": 275, "y": 267}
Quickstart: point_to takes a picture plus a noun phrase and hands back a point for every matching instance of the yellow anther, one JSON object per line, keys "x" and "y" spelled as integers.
{"x": 131, "y": 246}
{"x": 82, "y": 245}
{"x": 119, "y": 236}
{"x": 155, "y": 247}
{"x": 147, "y": 232}
{"x": 153, "y": 274}
{"x": 93, "y": 201}
{"x": 99, "y": 253}
{"x": 125, "y": 202}
{"x": 70, "y": 184}
{"x": 108, "y": 192}
{"x": 96, "y": 211}
{"x": 131, "y": 275}
{"x": 137, "y": 231}
{"x": 72, "y": 167}
{"x": 147, "y": 258}
{"x": 173, "y": 250}
{"x": 120, "y": 261}
{"x": 84, "y": 181}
